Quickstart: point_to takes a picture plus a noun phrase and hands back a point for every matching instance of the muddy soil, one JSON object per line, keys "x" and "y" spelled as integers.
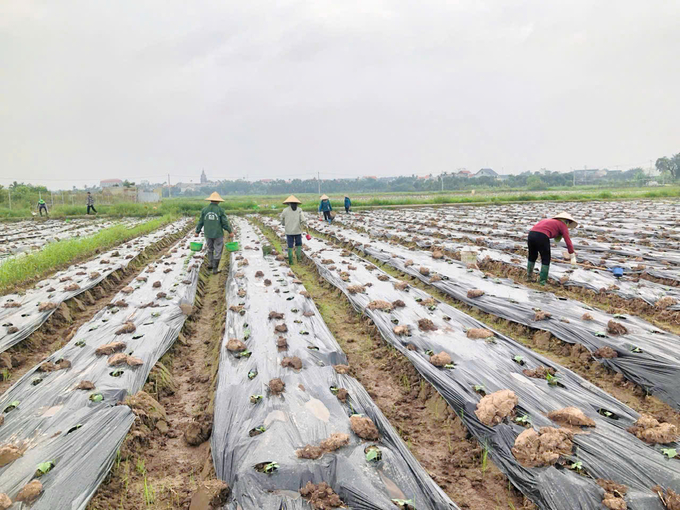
{"x": 430, "y": 428}
{"x": 171, "y": 462}
{"x": 63, "y": 324}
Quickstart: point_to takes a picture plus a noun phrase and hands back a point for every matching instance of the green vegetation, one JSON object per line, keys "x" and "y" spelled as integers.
{"x": 35, "y": 266}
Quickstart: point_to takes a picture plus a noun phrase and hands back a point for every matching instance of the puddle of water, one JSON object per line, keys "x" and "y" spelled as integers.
{"x": 52, "y": 411}
{"x": 391, "y": 487}
{"x": 318, "y": 409}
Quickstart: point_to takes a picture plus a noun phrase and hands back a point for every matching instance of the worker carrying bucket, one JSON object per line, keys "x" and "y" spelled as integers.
{"x": 293, "y": 219}
{"x": 538, "y": 242}
{"x": 215, "y": 221}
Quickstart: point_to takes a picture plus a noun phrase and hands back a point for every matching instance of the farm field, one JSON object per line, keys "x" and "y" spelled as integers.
{"x": 405, "y": 362}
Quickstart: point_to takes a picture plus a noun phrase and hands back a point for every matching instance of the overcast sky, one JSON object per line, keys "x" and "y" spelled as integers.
{"x": 138, "y": 89}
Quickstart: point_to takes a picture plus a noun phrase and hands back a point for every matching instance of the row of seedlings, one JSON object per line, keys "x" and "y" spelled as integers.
{"x": 61, "y": 423}
{"x": 23, "y": 313}
{"x": 641, "y": 352}
{"x": 561, "y": 441}
{"x": 291, "y": 427}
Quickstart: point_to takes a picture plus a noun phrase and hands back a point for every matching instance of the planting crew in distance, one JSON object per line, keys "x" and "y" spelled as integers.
{"x": 326, "y": 208}
{"x": 90, "y": 203}
{"x": 215, "y": 220}
{"x": 293, "y": 219}
{"x": 538, "y": 242}
{"x": 42, "y": 206}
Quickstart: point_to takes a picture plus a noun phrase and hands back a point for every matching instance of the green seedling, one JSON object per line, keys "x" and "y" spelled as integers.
{"x": 117, "y": 373}
{"x": 395, "y": 321}
{"x": 94, "y": 327}
{"x": 155, "y": 314}
{"x": 36, "y": 381}
{"x": 600, "y": 334}
{"x": 246, "y": 334}
{"x": 304, "y": 332}
{"x": 256, "y": 399}
{"x": 297, "y": 321}
{"x": 295, "y": 310}
{"x": 432, "y": 307}
{"x": 635, "y": 349}
{"x": 671, "y": 453}
{"x": 552, "y": 379}
{"x": 261, "y": 429}
{"x": 312, "y": 348}
{"x": 80, "y": 343}
{"x": 96, "y": 397}
{"x": 243, "y": 354}
{"x": 450, "y": 366}
{"x": 419, "y": 299}
{"x": 373, "y": 454}
{"x": 577, "y": 466}
{"x": 73, "y": 429}
{"x": 12, "y": 406}
{"x": 523, "y": 420}
{"x": 6, "y": 375}
{"x": 270, "y": 467}
{"x": 518, "y": 359}
{"x": 605, "y": 413}
{"x": 252, "y": 374}
{"x": 479, "y": 388}
{"x": 44, "y": 468}
{"x": 429, "y": 352}
{"x": 334, "y": 390}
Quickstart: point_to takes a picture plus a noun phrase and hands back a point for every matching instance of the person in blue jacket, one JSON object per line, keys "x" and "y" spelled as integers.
{"x": 348, "y": 204}
{"x": 326, "y": 208}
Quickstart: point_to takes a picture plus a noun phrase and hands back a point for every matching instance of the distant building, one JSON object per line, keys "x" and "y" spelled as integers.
{"x": 463, "y": 173}
{"x": 372, "y": 177}
{"x": 266, "y": 181}
{"x": 589, "y": 174}
{"x": 204, "y": 178}
{"x": 110, "y": 183}
{"x": 485, "y": 172}
{"x": 424, "y": 177}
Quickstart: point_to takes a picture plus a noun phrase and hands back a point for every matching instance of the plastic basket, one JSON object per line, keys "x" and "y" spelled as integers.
{"x": 232, "y": 246}
{"x": 195, "y": 246}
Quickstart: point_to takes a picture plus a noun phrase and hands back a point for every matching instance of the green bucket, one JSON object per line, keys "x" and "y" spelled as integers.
{"x": 233, "y": 246}
{"x": 195, "y": 246}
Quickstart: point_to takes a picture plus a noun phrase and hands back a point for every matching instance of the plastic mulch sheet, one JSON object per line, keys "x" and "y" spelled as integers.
{"x": 645, "y": 354}
{"x": 257, "y": 431}
{"x": 484, "y": 366}
{"x": 17, "y": 323}
{"x": 64, "y": 411}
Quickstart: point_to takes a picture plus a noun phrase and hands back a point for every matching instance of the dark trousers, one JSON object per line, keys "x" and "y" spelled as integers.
{"x": 327, "y": 215}
{"x": 539, "y": 243}
{"x": 91, "y": 207}
{"x": 293, "y": 240}
{"x": 41, "y": 209}
{"x": 347, "y": 209}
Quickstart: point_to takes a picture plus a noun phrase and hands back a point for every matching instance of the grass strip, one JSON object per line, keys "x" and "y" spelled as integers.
{"x": 22, "y": 270}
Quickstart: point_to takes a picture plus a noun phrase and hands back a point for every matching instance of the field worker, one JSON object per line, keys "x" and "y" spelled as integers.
{"x": 325, "y": 207}
{"x": 90, "y": 203}
{"x": 293, "y": 219}
{"x": 348, "y": 204}
{"x": 539, "y": 242}
{"x": 214, "y": 219}
{"x": 42, "y": 206}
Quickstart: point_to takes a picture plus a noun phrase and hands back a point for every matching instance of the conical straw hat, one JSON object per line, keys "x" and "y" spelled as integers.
{"x": 566, "y": 216}
{"x": 291, "y": 200}
{"x": 215, "y": 197}
{"x": 324, "y": 197}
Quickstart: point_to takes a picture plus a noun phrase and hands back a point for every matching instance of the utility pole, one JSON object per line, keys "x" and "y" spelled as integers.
{"x": 318, "y": 178}
{"x": 9, "y": 194}
{"x": 442, "y": 178}
{"x": 169, "y": 192}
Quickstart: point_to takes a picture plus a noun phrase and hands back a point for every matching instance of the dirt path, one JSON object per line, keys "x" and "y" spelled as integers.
{"x": 157, "y": 467}
{"x": 430, "y": 428}
{"x": 73, "y": 313}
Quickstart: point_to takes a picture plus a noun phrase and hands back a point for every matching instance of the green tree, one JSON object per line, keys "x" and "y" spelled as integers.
{"x": 535, "y": 183}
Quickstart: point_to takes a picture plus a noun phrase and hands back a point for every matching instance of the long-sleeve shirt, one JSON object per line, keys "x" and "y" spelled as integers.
{"x": 348, "y": 202}
{"x": 325, "y": 205}
{"x": 292, "y": 220}
{"x": 554, "y": 228}
{"x": 90, "y": 200}
{"x": 215, "y": 220}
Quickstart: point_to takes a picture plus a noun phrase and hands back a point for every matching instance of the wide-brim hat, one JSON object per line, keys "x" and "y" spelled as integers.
{"x": 324, "y": 197}
{"x": 568, "y": 217}
{"x": 291, "y": 200}
{"x": 215, "y": 197}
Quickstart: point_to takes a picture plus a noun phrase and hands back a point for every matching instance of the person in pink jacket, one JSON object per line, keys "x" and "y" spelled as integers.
{"x": 539, "y": 238}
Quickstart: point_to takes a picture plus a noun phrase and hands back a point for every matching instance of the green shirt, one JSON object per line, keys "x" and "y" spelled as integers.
{"x": 214, "y": 219}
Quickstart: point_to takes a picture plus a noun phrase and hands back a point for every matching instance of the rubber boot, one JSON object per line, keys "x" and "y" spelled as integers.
{"x": 298, "y": 253}
{"x": 543, "y": 278}
{"x": 530, "y": 270}
{"x": 216, "y": 266}
{"x": 290, "y": 256}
